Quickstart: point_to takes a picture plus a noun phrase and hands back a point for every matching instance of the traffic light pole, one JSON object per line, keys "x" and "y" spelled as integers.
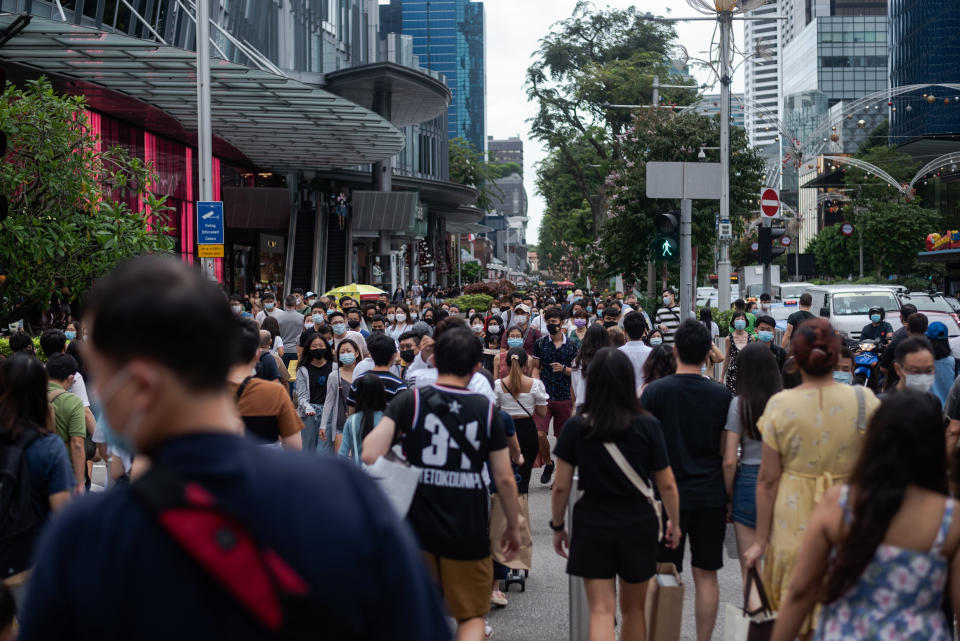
{"x": 764, "y": 242}
{"x": 723, "y": 265}
{"x": 686, "y": 258}
{"x": 204, "y": 133}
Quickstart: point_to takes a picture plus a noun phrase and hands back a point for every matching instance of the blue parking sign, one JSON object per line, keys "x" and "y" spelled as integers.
{"x": 209, "y": 222}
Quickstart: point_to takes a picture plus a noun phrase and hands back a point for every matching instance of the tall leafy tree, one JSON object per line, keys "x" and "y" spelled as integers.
{"x": 69, "y": 215}
{"x": 659, "y": 135}
{"x": 468, "y": 167}
{"x": 590, "y": 61}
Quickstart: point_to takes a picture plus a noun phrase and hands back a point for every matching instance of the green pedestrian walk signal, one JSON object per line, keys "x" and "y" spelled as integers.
{"x": 666, "y": 248}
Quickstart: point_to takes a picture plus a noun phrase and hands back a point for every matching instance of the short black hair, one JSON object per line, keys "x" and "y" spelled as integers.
{"x": 553, "y": 312}
{"x": 381, "y": 348}
{"x": 268, "y": 295}
{"x": 415, "y": 336}
{"x": 184, "y": 306}
{"x": 912, "y": 345}
{"x": 906, "y": 310}
{"x": 318, "y": 305}
{"x": 296, "y": 290}
{"x": 336, "y": 313}
{"x": 768, "y": 320}
{"x": 20, "y": 341}
{"x": 236, "y": 298}
{"x": 917, "y": 323}
{"x": 609, "y": 312}
{"x": 378, "y": 318}
{"x": 634, "y": 324}
{"x": 457, "y": 352}
{"x": 692, "y": 342}
{"x": 806, "y": 299}
{"x": 764, "y": 297}
{"x": 740, "y": 304}
{"x": 355, "y": 310}
{"x": 60, "y": 367}
{"x": 248, "y": 340}
{"x": 53, "y": 341}
{"x": 290, "y": 301}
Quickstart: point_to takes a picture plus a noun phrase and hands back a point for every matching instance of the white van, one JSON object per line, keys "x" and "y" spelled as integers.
{"x": 847, "y": 307}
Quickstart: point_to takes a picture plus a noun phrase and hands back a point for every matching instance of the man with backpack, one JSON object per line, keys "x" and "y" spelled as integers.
{"x": 213, "y": 541}
{"x": 69, "y": 416}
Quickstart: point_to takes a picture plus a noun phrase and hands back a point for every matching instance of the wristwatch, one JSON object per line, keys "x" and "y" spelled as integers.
{"x": 557, "y": 528}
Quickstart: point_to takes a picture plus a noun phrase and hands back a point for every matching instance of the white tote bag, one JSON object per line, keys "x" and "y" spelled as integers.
{"x": 397, "y": 480}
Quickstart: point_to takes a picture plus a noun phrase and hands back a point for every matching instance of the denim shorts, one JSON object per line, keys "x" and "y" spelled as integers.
{"x": 745, "y": 495}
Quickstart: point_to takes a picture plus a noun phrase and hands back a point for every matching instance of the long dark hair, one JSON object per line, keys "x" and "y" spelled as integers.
{"x": 611, "y": 402}
{"x": 660, "y": 363}
{"x": 516, "y": 361}
{"x": 272, "y": 325}
{"x": 593, "y": 341}
{"x": 758, "y": 378}
{"x": 369, "y": 398}
{"x": 904, "y": 445}
{"x": 23, "y": 395}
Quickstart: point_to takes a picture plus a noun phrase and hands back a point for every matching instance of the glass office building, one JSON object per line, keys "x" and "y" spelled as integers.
{"x": 448, "y": 36}
{"x": 923, "y": 50}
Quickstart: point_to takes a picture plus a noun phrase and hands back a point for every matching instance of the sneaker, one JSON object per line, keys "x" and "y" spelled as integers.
{"x": 487, "y": 630}
{"x": 547, "y": 473}
{"x": 498, "y": 599}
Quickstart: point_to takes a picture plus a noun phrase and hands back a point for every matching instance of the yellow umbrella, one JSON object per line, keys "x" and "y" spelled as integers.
{"x": 355, "y": 291}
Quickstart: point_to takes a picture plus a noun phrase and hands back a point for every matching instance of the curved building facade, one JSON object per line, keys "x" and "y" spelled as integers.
{"x": 923, "y": 50}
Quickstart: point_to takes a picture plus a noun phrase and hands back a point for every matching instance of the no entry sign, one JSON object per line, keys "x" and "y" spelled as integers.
{"x": 769, "y": 202}
{"x": 785, "y": 241}
{"x": 846, "y": 229}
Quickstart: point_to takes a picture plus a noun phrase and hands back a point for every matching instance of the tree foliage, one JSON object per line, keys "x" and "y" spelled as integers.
{"x": 659, "y": 135}
{"x": 590, "y": 61}
{"x": 468, "y": 167}
{"x": 69, "y": 221}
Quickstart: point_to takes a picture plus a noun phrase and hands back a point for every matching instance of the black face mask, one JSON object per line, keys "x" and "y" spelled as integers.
{"x": 553, "y": 329}
{"x": 353, "y": 324}
{"x": 428, "y": 320}
{"x": 407, "y": 355}
{"x": 609, "y": 323}
{"x": 318, "y": 353}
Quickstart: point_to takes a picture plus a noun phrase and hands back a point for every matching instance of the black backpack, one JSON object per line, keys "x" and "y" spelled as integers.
{"x": 20, "y": 519}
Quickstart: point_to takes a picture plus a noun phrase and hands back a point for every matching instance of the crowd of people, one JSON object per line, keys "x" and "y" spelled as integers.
{"x": 839, "y": 493}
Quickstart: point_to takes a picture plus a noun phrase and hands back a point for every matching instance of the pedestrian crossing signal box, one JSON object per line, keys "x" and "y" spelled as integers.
{"x": 666, "y": 245}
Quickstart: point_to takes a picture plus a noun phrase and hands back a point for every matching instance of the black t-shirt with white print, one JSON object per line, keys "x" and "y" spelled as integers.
{"x": 449, "y": 511}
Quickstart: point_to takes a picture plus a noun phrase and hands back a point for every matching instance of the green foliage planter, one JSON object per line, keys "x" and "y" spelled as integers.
{"x": 480, "y": 302}
{"x": 5, "y": 347}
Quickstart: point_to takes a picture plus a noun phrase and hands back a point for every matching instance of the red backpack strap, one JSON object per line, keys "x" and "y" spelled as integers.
{"x": 260, "y": 581}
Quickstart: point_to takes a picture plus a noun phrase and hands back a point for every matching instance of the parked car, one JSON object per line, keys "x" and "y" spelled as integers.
{"x": 935, "y": 306}
{"x": 847, "y": 306}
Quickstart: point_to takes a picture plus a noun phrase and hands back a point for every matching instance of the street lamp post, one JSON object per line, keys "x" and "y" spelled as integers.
{"x": 723, "y": 265}
{"x": 204, "y": 135}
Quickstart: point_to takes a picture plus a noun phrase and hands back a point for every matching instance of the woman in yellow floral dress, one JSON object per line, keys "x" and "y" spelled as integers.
{"x": 811, "y": 440}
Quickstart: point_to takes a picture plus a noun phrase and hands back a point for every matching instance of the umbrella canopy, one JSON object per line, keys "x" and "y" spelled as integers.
{"x": 565, "y": 283}
{"x": 362, "y": 292}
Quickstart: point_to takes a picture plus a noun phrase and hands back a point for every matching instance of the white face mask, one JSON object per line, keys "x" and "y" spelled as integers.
{"x": 401, "y": 317}
{"x": 390, "y": 317}
{"x": 308, "y": 325}
{"x": 920, "y": 382}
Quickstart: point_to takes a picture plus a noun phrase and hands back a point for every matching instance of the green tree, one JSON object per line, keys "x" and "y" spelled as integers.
{"x": 471, "y": 272}
{"x": 468, "y": 167}
{"x": 590, "y": 61}
{"x": 659, "y": 135}
{"x": 69, "y": 219}
{"x": 833, "y": 253}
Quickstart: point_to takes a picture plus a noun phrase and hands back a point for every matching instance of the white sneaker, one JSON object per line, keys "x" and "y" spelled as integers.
{"x": 487, "y": 630}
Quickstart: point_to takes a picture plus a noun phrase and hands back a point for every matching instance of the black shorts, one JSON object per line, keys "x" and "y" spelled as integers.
{"x": 705, "y": 528}
{"x": 606, "y": 553}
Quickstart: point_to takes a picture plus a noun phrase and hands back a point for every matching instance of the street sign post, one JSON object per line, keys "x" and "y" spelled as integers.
{"x": 785, "y": 241}
{"x": 770, "y": 202}
{"x": 209, "y": 222}
{"x": 725, "y": 230}
{"x": 846, "y": 229}
{"x": 687, "y": 181}
{"x": 210, "y": 251}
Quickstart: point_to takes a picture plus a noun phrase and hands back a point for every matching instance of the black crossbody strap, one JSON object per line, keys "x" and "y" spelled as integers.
{"x": 503, "y": 385}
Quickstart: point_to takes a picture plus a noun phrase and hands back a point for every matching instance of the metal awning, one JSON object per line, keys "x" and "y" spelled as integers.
{"x": 467, "y": 228}
{"x": 276, "y": 122}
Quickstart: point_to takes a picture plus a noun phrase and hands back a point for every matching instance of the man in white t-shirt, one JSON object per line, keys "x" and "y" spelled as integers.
{"x": 635, "y": 349}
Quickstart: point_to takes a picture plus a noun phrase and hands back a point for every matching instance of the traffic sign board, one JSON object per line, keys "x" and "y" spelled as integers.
{"x": 770, "y": 202}
{"x": 726, "y": 230}
{"x": 210, "y": 251}
{"x": 210, "y": 222}
{"x": 846, "y": 229}
{"x": 785, "y": 241}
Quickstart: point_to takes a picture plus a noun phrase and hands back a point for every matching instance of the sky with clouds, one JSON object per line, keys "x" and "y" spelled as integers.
{"x": 513, "y": 31}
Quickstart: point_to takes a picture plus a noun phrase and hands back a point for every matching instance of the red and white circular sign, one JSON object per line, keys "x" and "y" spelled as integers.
{"x": 769, "y": 202}
{"x": 846, "y": 229}
{"x": 785, "y": 241}
{"x": 755, "y": 246}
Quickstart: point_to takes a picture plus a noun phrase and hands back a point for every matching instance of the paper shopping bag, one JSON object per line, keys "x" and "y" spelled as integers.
{"x": 664, "y": 607}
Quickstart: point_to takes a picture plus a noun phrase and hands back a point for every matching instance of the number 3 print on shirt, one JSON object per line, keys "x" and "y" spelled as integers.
{"x": 437, "y": 453}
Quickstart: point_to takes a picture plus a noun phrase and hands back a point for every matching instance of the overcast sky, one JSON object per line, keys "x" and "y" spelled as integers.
{"x": 514, "y": 28}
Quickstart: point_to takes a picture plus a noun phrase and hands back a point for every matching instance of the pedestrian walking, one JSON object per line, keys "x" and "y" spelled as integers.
{"x": 635, "y": 349}
{"x": 661, "y": 363}
{"x": 886, "y": 541}
{"x": 313, "y": 371}
{"x": 161, "y": 378}
{"x": 595, "y": 339}
{"x": 812, "y": 436}
{"x": 797, "y": 318}
{"x": 265, "y": 408}
{"x": 739, "y": 339}
{"x": 451, "y": 434}
{"x": 369, "y": 403}
{"x": 617, "y": 448}
{"x": 522, "y": 397}
{"x": 335, "y": 406}
{"x": 668, "y": 317}
{"x": 693, "y": 411}
{"x": 553, "y": 357}
{"x": 759, "y": 380}
{"x": 947, "y": 367}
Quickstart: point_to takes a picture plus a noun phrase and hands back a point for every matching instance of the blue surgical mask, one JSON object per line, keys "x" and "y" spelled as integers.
{"x": 318, "y": 318}
{"x": 739, "y": 324}
{"x": 347, "y": 358}
{"x": 515, "y": 342}
{"x": 656, "y": 340}
{"x": 590, "y": 308}
{"x": 339, "y": 329}
{"x": 875, "y": 318}
{"x": 765, "y": 336}
{"x": 122, "y": 442}
{"x": 269, "y": 306}
{"x": 844, "y": 378}
{"x": 666, "y": 301}
{"x": 70, "y": 334}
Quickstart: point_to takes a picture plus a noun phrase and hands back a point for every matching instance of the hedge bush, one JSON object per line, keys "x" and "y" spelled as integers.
{"x": 5, "y": 347}
{"x": 480, "y": 302}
